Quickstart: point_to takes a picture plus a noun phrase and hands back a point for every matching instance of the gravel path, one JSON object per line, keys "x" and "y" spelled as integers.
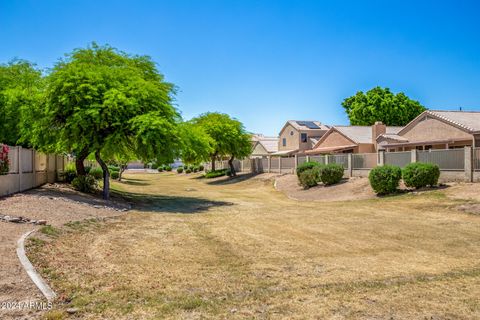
{"x": 57, "y": 205}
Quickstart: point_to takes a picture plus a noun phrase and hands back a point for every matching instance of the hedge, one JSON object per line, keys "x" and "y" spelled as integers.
{"x": 418, "y": 174}
{"x": 331, "y": 173}
{"x": 306, "y": 166}
{"x": 217, "y": 173}
{"x": 385, "y": 179}
{"x": 309, "y": 178}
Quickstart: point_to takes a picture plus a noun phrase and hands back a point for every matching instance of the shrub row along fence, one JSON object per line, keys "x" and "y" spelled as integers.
{"x": 455, "y": 164}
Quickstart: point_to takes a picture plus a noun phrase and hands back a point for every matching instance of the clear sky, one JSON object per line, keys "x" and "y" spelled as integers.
{"x": 265, "y": 62}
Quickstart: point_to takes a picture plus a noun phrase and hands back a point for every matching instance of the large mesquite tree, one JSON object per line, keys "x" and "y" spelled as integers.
{"x": 380, "y": 104}
{"x": 229, "y": 137}
{"x": 102, "y": 101}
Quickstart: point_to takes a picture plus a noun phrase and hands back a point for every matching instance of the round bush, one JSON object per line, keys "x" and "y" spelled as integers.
{"x": 188, "y": 171}
{"x": 179, "y": 170}
{"x": 160, "y": 169}
{"x": 331, "y": 174}
{"x": 309, "y": 178}
{"x": 306, "y": 166}
{"x": 155, "y": 165}
{"x": 385, "y": 179}
{"x": 418, "y": 174}
{"x": 115, "y": 174}
{"x": 168, "y": 168}
{"x": 201, "y": 168}
{"x": 86, "y": 183}
{"x": 97, "y": 173}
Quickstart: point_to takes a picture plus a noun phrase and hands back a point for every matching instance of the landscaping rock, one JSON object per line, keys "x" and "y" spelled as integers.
{"x": 41, "y": 222}
{"x": 72, "y": 310}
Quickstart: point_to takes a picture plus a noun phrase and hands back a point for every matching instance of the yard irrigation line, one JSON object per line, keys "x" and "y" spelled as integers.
{"x": 29, "y": 268}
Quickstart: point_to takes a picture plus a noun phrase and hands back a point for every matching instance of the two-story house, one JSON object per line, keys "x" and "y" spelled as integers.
{"x": 299, "y": 136}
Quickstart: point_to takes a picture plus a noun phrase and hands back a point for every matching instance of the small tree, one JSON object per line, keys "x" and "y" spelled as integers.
{"x": 100, "y": 100}
{"x": 380, "y": 104}
{"x": 228, "y": 136}
{"x": 197, "y": 145}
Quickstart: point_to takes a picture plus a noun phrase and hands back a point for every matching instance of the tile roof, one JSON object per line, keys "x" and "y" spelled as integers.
{"x": 362, "y": 134}
{"x": 269, "y": 143}
{"x": 469, "y": 120}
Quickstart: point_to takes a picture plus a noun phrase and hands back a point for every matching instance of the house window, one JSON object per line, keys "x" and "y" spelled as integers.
{"x": 303, "y": 137}
{"x": 284, "y": 142}
{"x": 291, "y": 133}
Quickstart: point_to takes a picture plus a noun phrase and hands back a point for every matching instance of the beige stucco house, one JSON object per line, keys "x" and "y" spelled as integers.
{"x": 435, "y": 130}
{"x": 263, "y": 146}
{"x": 351, "y": 139}
{"x": 299, "y": 136}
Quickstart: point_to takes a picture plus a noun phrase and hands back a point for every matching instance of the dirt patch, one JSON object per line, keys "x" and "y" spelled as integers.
{"x": 55, "y": 203}
{"x": 464, "y": 191}
{"x": 348, "y": 189}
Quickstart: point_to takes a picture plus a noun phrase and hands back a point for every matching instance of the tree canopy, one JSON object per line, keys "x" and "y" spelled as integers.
{"x": 380, "y": 104}
{"x": 20, "y": 90}
{"x": 228, "y": 137}
{"x": 103, "y": 101}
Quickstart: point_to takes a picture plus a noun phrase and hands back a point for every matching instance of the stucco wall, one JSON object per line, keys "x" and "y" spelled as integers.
{"x": 293, "y": 140}
{"x": 433, "y": 129}
{"x": 334, "y": 139}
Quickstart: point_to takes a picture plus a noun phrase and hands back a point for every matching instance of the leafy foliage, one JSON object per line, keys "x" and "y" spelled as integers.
{"x": 419, "y": 174}
{"x": 309, "y": 178}
{"x": 115, "y": 174}
{"x": 103, "y": 101}
{"x": 86, "y": 184}
{"x": 331, "y": 173}
{"x": 380, "y": 104}
{"x": 97, "y": 173}
{"x": 188, "y": 170}
{"x": 69, "y": 173}
{"x": 4, "y": 161}
{"x": 385, "y": 179}
{"x": 168, "y": 168}
{"x": 306, "y": 166}
{"x": 228, "y": 137}
{"x": 20, "y": 92}
{"x": 179, "y": 170}
{"x": 217, "y": 173}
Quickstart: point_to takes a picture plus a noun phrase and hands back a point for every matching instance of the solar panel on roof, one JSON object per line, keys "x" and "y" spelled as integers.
{"x": 312, "y": 125}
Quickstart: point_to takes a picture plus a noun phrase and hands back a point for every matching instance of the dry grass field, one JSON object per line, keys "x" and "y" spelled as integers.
{"x": 199, "y": 249}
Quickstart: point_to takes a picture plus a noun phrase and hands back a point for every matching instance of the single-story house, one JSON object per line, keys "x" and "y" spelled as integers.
{"x": 434, "y": 129}
{"x": 298, "y": 136}
{"x": 351, "y": 139}
{"x": 263, "y": 146}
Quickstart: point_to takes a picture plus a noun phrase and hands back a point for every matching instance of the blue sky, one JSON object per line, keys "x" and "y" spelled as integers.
{"x": 265, "y": 62}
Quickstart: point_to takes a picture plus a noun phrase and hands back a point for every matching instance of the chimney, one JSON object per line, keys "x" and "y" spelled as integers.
{"x": 377, "y": 129}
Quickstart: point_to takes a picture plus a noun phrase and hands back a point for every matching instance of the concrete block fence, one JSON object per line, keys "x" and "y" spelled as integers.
{"x": 455, "y": 164}
{"x": 30, "y": 169}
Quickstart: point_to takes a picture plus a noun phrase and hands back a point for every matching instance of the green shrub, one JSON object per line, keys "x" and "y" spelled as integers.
{"x": 418, "y": 174}
{"x": 179, "y": 170}
{"x": 97, "y": 173}
{"x": 385, "y": 179}
{"x": 201, "y": 167}
{"x": 309, "y": 178}
{"x": 87, "y": 169}
{"x": 69, "y": 173}
{"x": 112, "y": 168}
{"x": 86, "y": 183}
{"x": 330, "y": 174}
{"x": 168, "y": 168}
{"x": 188, "y": 171}
{"x": 217, "y": 173}
{"x": 306, "y": 166}
{"x": 195, "y": 169}
{"x": 115, "y": 174}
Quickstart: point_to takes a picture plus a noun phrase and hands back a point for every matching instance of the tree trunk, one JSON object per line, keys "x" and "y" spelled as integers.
{"x": 213, "y": 162}
{"x": 232, "y": 169}
{"x": 79, "y": 162}
{"x": 121, "y": 171}
{"x": 106, "y": 176}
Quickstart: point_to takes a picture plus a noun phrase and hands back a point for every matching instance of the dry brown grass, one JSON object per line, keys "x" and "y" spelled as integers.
{"x": 242, "y": 250}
